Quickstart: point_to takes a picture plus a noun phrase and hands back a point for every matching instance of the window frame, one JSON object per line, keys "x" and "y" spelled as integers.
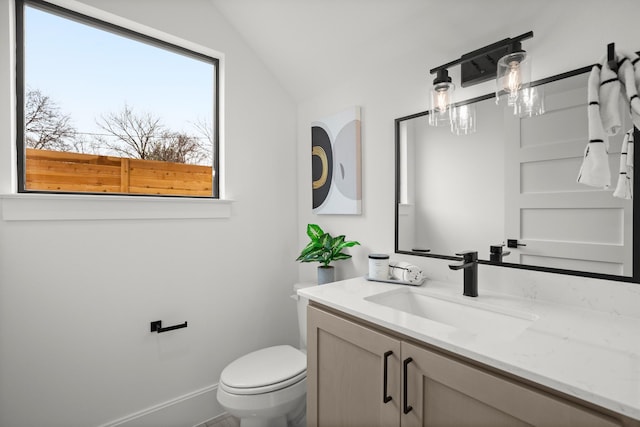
{"x": 124, "y": 32}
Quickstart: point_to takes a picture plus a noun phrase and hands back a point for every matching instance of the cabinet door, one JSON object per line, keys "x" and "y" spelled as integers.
{"x": 445, "y": 392}
{"x": 346, "y": 374}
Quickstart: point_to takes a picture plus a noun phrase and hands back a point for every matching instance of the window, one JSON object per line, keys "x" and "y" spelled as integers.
{"x": 105, "y": 110}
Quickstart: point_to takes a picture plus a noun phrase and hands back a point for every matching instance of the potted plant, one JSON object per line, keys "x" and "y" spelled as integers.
{"x": 324, "y": 248}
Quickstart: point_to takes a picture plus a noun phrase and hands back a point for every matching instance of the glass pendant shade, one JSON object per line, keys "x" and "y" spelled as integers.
{"x": 530, "y": 102}
{"x": 441, "y": 99}
{"x": 513, "y": 74}
{"x": 463, "y": 119}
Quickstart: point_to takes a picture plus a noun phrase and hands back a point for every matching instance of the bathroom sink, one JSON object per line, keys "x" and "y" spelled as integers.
{"x": 463, "y": 313}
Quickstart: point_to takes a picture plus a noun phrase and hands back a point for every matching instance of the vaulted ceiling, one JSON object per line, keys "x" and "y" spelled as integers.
{"x": 312, "y": 45}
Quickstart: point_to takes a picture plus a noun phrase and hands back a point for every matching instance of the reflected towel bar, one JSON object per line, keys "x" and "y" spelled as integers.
{"x": 157, "y": 326}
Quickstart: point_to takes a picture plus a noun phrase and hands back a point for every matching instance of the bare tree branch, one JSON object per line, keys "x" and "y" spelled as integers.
{"x": 143, "y": 136}
{"x": 45, "y": 126}
{"x": 83, "y": 145}
{"x": 133, "y": 132}
{"x": 207, "y": 141}
{"x": 176, "y": 147}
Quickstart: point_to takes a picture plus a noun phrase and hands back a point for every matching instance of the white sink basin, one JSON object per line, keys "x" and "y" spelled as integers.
{"x": 464, "y": 313}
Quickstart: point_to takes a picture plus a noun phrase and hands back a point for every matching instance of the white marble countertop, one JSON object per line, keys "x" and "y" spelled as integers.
{"x": 592, "y": 355}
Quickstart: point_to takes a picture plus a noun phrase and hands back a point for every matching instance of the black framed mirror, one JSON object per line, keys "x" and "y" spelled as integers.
{"x": 515, "y": 181}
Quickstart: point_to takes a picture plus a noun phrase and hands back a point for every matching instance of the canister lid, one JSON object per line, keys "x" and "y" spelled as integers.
{"x": 378, "y": 256}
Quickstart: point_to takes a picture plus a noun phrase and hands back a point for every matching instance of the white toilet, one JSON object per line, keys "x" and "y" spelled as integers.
{"x": 268, "y": 387}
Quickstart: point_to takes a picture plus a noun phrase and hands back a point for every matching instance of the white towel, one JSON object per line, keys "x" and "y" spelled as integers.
{"x": 604, "y": 94}
{"x": 595, "y": 165}
{"x": 624, "y": 189}
{"x": 629, "y": 74}
{"x": 400, "y": 270}
{"x": 609, "y": 96}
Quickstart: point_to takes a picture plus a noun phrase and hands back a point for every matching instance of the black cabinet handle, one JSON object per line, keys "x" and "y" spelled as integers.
{"x": 405, "y": 399}
{"x": 157, "y": 326}
{"x": 385, "y": 397}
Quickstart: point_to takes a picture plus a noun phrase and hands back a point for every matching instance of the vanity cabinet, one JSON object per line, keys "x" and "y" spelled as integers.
{"x": 358, "y": 375}
{"x": 346, "y": 384}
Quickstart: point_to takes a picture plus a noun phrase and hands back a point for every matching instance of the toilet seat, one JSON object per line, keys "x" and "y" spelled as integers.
{"x": 264, "y": 371}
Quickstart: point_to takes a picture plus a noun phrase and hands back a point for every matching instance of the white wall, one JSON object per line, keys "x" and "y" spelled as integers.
{"x": 567, "y": 35}
{"x": 76, "y": 297}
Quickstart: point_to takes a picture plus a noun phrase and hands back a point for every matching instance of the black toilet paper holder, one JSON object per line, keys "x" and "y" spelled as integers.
{"x": 157, "y": 326}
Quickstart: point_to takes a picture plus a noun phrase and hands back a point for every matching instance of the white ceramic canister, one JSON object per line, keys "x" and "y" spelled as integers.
{"x": 379, "y": 266}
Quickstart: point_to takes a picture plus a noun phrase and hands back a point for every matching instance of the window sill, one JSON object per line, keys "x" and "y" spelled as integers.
{"x": 47, "y": 207}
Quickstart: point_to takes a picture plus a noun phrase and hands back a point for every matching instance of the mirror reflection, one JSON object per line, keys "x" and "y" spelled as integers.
{"x": 514, "y": 179}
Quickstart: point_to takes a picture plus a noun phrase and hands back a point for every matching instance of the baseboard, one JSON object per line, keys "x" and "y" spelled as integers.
{"x": 187, "y": 410}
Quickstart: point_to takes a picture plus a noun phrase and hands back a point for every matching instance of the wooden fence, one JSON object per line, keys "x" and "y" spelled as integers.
{"x": 64, "y": 171}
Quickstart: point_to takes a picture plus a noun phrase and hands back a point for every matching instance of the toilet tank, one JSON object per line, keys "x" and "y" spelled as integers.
{"x": 302, "y": 313}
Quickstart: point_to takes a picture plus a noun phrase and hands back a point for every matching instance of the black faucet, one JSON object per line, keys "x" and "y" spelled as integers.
{"x": 496, "y": 253}
{"x": 470, "y": 265}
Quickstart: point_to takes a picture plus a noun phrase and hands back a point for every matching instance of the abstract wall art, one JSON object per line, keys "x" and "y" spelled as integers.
{"x": 336, "y": 163}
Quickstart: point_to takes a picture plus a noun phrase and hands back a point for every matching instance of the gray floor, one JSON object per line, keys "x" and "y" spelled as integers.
{"x": 227, "y": 421}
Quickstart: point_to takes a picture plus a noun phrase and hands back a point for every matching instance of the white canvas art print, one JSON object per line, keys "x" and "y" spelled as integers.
{"x": 336, "y": 164}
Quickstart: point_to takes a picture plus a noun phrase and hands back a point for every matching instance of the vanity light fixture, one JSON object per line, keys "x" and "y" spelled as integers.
{"x": 504, "y": 61}
{"x": 513, "y": 73}
{"x": 441, "y": 99}
{"x": 530, "y": 102}
{"x": 463, "y": 119}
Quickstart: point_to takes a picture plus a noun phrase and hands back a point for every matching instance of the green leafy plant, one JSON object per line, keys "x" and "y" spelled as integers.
{"x": 324, "y": 248}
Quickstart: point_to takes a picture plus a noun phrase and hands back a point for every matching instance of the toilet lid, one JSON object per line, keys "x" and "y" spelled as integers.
{"x": 265, "y": 370}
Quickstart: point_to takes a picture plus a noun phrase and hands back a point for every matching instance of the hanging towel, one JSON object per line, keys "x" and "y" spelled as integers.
{"x": 629, "y": 74}
{"x": 624, "y": 189}
{"x": 595, "y": 165}
{"x": 605, "y": 88}
{"x": 609, "y": 99}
